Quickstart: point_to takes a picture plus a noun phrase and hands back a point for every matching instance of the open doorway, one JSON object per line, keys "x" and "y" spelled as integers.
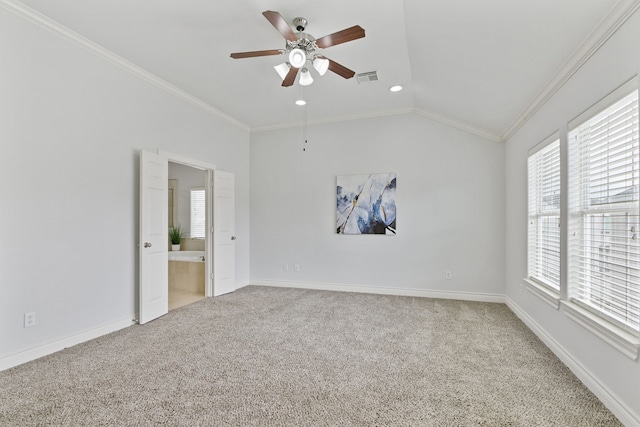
{"x": 219, "y": 241}
{"x": 187, "y": 203}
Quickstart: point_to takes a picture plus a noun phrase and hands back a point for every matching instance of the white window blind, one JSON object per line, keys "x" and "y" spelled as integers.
{"x": 543, "y": 250}
{"x": 604, "y": 257}
{"x": 198, "y": 213}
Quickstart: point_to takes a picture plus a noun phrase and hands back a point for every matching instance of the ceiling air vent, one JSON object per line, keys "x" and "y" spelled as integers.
{"x": 371, "y": 76}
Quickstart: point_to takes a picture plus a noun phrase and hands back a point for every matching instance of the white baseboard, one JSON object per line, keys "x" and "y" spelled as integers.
{"x": 46, "y": 349}
{"x": 242, "y": 284}
{"x": 409, "y": 292}
{"x": 626, "y": 416}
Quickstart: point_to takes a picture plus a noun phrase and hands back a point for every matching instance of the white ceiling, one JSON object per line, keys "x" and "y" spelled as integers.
{"x": 476, "y": 64}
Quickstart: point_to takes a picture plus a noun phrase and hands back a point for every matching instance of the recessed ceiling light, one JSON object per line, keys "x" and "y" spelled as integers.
{"x": 396, "y": 88}
{"x": 301, "y": 102}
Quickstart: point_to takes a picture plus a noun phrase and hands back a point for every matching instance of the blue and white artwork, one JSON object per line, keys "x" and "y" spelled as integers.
{"x": 366, "y": 204}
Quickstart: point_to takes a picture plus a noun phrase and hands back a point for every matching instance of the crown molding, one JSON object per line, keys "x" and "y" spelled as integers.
{"x": 607, "y": 27}
{"x": 409, "y": 110}
{"x": 67, "y": 34}
{"x": 459, "y": 125}
{"x": 617, "y": 16}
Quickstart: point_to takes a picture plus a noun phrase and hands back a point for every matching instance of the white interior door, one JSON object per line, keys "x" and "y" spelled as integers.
{"x": 154, "y": 287}
{"x": 224, "y": 265}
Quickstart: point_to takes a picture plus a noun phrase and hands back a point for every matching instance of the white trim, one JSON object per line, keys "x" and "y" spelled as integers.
{"x": 67, "y": 34}
{"x": 608, "y": 398}
{"x": 52, "y": 347}
{"x": 621, "y": 340}
{"x": 409, "y": 292}
{"x": 546, "y": 295}
{"x": 185, "y": 160}
{"x": 619, "y": 93}
{"x": 474, "y": 130}
{"x": 420, "y": 112}
{"x": 240, "y": 285}
{"x": 607, "y": 27}
{"x": 548, "y": 140}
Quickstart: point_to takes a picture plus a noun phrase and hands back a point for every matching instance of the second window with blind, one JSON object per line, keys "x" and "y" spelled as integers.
{"x": 544, "y": 214}
{"x": 603, "y": 218}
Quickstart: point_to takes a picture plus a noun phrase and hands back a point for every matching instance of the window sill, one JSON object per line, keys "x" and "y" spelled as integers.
{"x": 542, "y": 292}
{"x": 623, "y": 341}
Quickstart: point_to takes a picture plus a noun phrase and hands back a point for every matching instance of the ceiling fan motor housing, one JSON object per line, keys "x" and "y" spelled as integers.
{"x": 300, "y": 23}
{"x": 305, "y": 42}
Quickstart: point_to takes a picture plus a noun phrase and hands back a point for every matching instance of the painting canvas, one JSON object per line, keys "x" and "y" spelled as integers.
{"x": 366, "y": 204}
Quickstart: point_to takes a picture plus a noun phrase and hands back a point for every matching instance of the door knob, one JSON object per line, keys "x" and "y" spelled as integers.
{"x": 233, "y": 237}
{"x": 147, "y": 244}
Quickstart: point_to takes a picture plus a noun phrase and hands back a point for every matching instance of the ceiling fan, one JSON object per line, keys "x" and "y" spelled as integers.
{"x": 302, "y": 47}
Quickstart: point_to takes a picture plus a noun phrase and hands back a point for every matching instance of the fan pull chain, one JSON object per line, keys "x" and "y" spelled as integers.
{"x": 304, "y": 128}
{"x": 304, "y": 123}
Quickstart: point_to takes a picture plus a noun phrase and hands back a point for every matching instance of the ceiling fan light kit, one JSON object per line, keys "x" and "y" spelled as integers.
{"x": 282, "y": 69}
{"x": 297, "y": 57}
{"x": 321, "y": 65}
{"x": 302, "y": 47}
{"x": 305, "y": 77}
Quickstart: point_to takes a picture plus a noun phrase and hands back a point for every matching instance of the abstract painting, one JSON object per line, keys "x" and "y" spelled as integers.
{"x": 366, "y": 204}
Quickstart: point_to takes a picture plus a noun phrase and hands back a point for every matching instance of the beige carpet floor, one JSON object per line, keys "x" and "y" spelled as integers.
{"x": 290, "y": 357}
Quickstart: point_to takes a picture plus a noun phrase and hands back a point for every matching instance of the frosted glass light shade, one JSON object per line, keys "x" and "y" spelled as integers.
{"x": 297, "y": 57}
{"x": 305, "y": 77}
{"x": 321, "y": 65}
{"x": 282, "y": 70}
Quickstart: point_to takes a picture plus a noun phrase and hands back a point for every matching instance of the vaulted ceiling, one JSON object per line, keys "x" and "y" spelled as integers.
{"x": 480, "y": 65}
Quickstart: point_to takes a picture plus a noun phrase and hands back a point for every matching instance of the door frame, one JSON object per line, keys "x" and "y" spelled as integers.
{"x": 208, "y": 240}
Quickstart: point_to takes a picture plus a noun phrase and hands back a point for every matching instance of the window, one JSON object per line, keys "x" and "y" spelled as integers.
{"x": 197, "y": 213}
{"x": 604, "y": 256}
{"x": 544, "y": 214}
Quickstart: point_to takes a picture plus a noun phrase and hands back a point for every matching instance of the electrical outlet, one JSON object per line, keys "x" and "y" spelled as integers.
{"x": 447, "y": 275}
{"x": 285, "y": 267}
{"x": 29, "y": 319}
{"x": 296, "y": 267}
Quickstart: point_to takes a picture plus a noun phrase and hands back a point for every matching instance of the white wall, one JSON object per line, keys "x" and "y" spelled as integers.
{"x": 71, "y": 128}
{"x": 614, "y": 377}
{"x": 450, "y": 199}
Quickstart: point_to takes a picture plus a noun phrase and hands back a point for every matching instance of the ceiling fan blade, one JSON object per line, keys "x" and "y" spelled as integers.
{"x": 255, "y": 53}
{"x": 290, "y": 77}
{"x": 352, "y": 33}
{"x": 340, "y": 70}
{"x": 280, "y": 24}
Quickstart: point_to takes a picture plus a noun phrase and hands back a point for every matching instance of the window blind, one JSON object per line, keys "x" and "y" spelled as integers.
{"x": 198, "y": 213}
{"x": 604, "y": 256}
{"x": 543, "y": 251}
